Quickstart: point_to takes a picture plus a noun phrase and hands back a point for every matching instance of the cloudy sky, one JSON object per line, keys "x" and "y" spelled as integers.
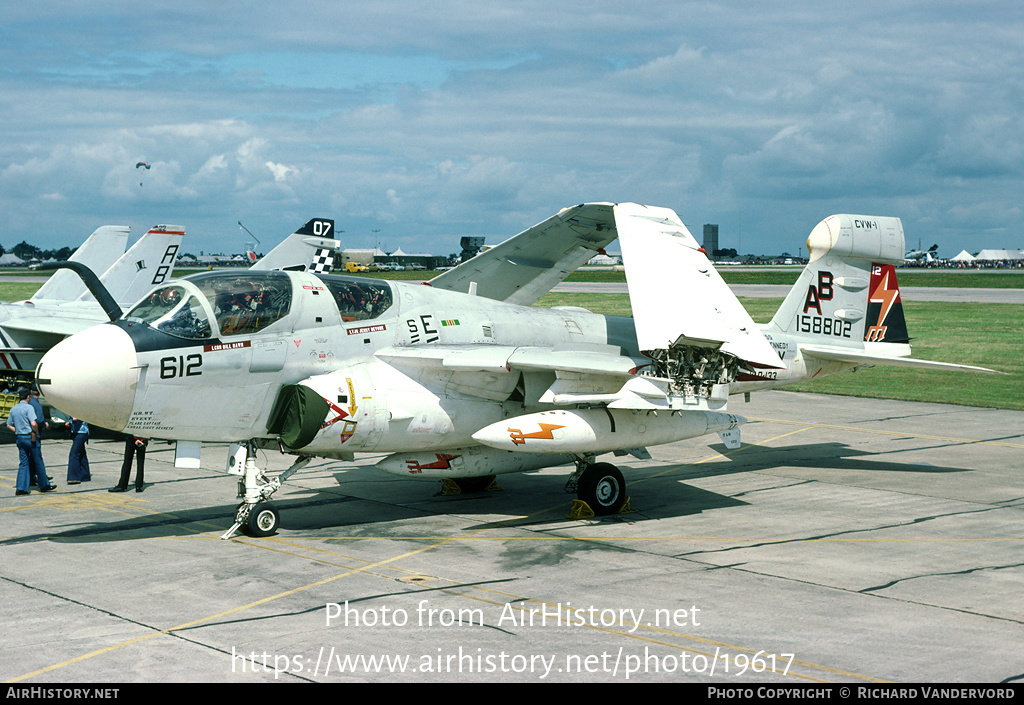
{"x": 415, "y": 123}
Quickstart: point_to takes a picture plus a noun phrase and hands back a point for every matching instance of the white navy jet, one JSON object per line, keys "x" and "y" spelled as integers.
{"x": 463, "y": 379}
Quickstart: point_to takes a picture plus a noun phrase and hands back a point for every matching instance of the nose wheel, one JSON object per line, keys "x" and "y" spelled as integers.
{"x": 263, "y": 520}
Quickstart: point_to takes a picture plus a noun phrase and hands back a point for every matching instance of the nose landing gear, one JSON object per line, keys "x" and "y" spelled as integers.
{"x": 256, "y": 514}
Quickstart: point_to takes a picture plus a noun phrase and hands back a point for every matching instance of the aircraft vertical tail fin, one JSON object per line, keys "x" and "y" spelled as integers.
{"x": 847, "y": 295}
{"x": 99, "y": 251}
{"x": 310, "y": 248}
{"x": 845, "y": 309}
{"x": 150, "y": 261}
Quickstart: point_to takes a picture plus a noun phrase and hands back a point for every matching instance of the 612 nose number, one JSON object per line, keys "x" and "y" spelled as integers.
{"x": 181, "y": 366}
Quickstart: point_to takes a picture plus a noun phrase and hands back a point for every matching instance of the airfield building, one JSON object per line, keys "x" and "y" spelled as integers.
{"x": 710, "y": 238}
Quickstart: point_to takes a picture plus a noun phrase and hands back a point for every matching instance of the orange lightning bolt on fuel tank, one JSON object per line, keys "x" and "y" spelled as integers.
{"x": 518, "y": 437}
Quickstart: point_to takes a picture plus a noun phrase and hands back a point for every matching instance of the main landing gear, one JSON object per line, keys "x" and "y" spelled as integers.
{"x": 600, "y": 489}
{"x": 256, "y": 515}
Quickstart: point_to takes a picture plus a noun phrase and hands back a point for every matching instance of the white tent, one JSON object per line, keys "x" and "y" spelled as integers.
{"x": 964, "y": 256}
{"x": 10, "y": 260}
{"x": 1000, "y": 254}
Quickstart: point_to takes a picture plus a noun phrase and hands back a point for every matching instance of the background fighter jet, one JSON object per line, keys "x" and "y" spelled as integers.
{"x": 460, "y": 380}
{"x": 62, "y": 306}
{"x": 929, "y": 255}
{"x": 311, "y": 248}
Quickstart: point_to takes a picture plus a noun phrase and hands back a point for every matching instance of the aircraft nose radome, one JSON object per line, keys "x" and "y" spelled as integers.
{"x": 92, "y": 376}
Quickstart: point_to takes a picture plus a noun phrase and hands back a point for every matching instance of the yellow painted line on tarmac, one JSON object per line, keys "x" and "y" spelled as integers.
{"x": 437, "y": 542}
{"x": 235, "y": 610}
{"x": 883, "y": 432}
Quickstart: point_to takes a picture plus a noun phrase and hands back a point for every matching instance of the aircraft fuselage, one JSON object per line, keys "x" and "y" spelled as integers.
{"x": 204, "y": 366}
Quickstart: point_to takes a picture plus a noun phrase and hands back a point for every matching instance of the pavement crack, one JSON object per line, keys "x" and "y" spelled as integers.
{"x": 967, "y": 571}
{"x": 838, "y": 534}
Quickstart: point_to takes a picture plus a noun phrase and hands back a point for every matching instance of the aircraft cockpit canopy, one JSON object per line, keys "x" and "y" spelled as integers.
{"x": 173, "y": 310}
{"x": 358, "y": 299}
{"x": 247, "y": 302}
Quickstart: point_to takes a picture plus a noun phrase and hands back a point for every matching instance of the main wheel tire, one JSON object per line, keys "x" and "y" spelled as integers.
{"x": 263, "y": 520}
{"x": 603, "y": 488}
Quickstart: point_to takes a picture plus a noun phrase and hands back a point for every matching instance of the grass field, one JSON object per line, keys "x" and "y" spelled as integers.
{"x": 17, "y": 290}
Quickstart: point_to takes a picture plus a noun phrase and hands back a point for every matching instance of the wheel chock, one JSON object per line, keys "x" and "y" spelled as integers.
{"x": 449, "y": 487}
{"x": 582, "y": 510}
{"x": 493, "y": 487}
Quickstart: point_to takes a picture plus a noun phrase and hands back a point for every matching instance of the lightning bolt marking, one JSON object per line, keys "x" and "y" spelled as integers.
{"x": 885, "y": 296}
{"x": 519, "y": 438}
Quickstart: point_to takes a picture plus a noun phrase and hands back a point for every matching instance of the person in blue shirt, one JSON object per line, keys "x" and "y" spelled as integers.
{"x": 78, "y": 462}
{"x": 22, "y": 421}
{"x": 37, "y": 447}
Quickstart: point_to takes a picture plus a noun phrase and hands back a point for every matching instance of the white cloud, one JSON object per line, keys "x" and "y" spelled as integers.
{"x": 484, "y": 118}
{"x": 280, "y": 171}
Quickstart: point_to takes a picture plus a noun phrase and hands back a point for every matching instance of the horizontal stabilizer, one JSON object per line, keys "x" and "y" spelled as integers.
{"x": 864, "y": 358}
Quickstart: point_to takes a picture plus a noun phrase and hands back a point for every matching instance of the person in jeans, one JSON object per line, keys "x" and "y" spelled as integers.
{"x": 78, "y": 462}
{"x": 22, "y": 421}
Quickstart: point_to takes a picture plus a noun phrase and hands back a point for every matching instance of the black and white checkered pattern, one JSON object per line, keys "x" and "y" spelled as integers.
{"x": 323, "y": 261}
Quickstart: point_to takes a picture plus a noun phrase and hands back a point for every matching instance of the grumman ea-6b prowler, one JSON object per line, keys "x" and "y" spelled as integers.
{"x": 463, "y": 379}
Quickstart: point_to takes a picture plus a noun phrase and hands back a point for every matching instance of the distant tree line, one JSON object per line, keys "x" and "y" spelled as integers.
{"x": 28, "y": 252}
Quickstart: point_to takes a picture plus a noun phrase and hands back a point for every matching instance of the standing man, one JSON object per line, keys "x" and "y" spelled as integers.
{"x": 133, "y": 446}
{"x": 38, "y": 466}
{"x": 22, "y": 422}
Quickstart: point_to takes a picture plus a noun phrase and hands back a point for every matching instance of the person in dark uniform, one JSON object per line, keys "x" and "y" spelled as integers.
{"x": 78, "y": 463}
{"x": 133, "y": 447}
